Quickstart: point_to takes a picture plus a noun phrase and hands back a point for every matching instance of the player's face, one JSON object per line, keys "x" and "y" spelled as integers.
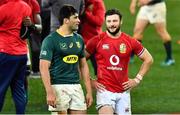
{"x": 113, "y": 24}
{"x": 74, "y": 22}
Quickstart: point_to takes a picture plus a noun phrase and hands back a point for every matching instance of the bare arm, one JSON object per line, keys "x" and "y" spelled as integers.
{"x": 86, "y": 77}
{"x": 45, "y": 75}
{"x": 37, "y": 22}
{"x": 87, "y": 54}
{"x": 147, "y": 62}
{"x": 132, "y": 7}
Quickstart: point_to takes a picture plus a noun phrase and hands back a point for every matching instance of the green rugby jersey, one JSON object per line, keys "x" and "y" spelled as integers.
{"x": 64, "y": 54}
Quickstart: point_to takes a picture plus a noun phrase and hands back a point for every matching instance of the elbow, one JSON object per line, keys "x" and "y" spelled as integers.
{"x": 150, "y": 60}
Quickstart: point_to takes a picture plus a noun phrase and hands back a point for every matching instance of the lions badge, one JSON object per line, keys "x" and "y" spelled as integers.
{"x": 122, "y": 48}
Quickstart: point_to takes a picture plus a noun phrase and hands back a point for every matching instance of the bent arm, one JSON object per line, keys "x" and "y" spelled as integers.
{"x": 132, "y": 7}
{"x": 38, "y": 23}
{"x": 147, "y": 62}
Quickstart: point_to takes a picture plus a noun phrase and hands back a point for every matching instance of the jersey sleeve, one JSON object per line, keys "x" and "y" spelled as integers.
{"x": 82, "y": 54}
{"x": 27, "y": 10}
{"x": 47, "y": 49}
{"x": 91, "y": 45}
{"x": 138, "y": 49}
{"x": 36, "y": 7}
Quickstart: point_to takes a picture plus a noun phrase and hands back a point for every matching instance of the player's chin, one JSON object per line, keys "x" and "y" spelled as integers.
{"x": 112, "y": 30}
{"x": 75, "y": 29}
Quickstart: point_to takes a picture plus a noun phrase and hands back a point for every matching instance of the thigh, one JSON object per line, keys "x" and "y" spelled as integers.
{"x": 123, "y": 105}
{"x": 142, "y": 22}
{"x": 78, "y": 102}
{"x": 105, "y": 98}
{"x": 62, "y": 98}
{"x": 8, "y": 67}
{"x": 139, "y": 28}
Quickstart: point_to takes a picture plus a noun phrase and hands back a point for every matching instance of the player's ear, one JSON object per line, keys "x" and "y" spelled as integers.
{"x": 66, "y": 20}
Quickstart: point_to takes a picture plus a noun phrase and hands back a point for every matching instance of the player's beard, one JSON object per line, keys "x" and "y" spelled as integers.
{"x": 114, "y": 32}
{"x": 74, "y": 29}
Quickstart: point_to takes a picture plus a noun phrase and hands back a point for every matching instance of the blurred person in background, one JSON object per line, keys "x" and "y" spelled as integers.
{"x": 152, "y": 12}
{"x": 92, "y": 22}
{"x": 13, "y": 53}
{"x": 35, "y": 23}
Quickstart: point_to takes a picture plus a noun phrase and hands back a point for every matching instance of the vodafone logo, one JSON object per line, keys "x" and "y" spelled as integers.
{"x": 114, "y": 60}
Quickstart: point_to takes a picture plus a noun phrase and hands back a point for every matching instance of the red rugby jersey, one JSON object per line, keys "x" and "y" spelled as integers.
{"x": 11, "y": 15}
{"x": 112, "y": 56}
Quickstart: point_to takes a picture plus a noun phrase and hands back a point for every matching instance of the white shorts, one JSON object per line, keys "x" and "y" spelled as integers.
{"x": 153, "y": 13}
{"x": 69, "y": 97}
{"x": 120, "y": 102}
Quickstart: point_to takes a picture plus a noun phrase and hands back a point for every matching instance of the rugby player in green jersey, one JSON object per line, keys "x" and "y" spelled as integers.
{"x": 62, "y": 53}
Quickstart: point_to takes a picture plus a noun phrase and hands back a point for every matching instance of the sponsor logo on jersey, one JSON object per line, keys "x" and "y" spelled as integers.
{"x": 78, "y": 44}
{"x": 63, "y": 46}
{"x": 122, "y": 48}
{"x": 70, "y": 59}
{"x": 105, "y": 46}
{"x": 71, "y": 45}
{"x": 114, "y": 60}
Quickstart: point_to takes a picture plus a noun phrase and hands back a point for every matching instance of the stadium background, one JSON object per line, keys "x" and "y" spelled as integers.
{"x": 159, "y": 93}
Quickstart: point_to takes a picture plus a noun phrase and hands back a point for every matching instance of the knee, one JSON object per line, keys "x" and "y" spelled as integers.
{"x": 138, "y": 34}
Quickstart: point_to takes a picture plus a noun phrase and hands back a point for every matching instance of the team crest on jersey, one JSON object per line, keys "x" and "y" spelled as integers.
{"x": 78, "y": 44}
{"x": 122, "y": 48}
{"x": 70, "y": 59}
{"x": 63, "y": 46}
{"x": 105, "y": 46}
{"x": 71, "y": 45}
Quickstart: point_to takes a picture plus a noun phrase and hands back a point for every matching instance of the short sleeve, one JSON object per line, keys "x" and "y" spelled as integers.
{"x": 47, "y": 49}
{"x": 82, "y": 54}
{"x": 138, "y": 49}
{"x": 36, "y": 7}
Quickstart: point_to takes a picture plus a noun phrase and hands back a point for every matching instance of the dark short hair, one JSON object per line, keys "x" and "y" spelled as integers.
{"x": 66, "y": 11}
{"x": 112, "y": 12}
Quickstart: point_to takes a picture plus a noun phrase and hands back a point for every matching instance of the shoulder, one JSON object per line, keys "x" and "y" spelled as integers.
{"x": 35, "y": 5}
{"x": 126, "y": 36}
{"x": 25, "y": 6}
{"x": 50, "y": 37}
{"x": 78, "y": 36}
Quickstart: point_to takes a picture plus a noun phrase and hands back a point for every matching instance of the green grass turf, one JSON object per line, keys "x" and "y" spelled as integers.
{"x": 160, "y": 90}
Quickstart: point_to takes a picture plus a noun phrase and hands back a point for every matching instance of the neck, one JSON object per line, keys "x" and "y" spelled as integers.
{"x": 63, "y": 30}
{"x": 114, "y": 36}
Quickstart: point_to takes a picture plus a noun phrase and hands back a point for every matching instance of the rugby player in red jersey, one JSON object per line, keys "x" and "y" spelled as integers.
{"x": 112, "y": 51}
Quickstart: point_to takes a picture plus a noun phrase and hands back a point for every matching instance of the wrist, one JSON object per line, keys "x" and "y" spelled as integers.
{"x": 138, "y": 78}
{"x": 33, "y": 27}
